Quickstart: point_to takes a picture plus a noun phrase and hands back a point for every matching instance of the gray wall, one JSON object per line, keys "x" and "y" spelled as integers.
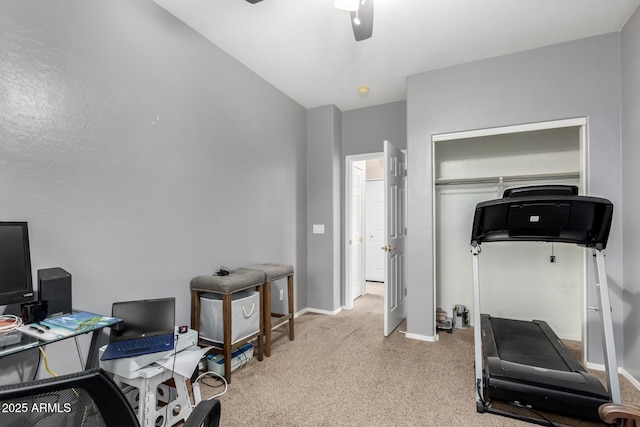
{"x": 364, "y": 129}
{"x": 142, "y": 155}
{"x": 323, "y": 207}
{"x": 575, "y": 79}
{"x": 363, "y": 132}
{"x": 630, "y": 179}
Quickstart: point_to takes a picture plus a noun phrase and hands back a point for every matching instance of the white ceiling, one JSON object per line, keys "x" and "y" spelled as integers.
{"x": 306, "y": 48}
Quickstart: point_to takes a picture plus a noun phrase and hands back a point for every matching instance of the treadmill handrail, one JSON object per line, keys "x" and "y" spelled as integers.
{"x": 551, "y": 217}
{"x": 581, "y": 220}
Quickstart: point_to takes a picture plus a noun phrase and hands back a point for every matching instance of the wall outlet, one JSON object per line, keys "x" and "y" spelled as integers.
{"x": 281, "y": 294}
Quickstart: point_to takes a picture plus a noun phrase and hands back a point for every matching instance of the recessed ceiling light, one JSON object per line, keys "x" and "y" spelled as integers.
{"x": 363, "y": 90}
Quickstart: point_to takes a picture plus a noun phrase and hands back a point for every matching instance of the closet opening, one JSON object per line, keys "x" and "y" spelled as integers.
{"x": 471, "y": 167}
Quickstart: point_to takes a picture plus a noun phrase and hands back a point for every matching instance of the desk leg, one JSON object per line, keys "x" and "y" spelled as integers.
{"x": 92, "y": 357}
{"x": 82, "y": 362}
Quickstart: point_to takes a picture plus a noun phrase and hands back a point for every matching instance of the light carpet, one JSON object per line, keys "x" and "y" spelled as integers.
{"x": 341, "y": 371}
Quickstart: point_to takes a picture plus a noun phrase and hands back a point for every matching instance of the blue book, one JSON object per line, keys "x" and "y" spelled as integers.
{"x": 79, "y": 321}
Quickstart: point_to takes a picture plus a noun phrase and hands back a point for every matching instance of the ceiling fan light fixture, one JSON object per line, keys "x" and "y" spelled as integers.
{"x": 349, "y": 5}
{"x": 356, "y": 20}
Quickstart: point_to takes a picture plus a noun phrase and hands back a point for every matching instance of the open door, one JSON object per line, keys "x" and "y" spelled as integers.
{"x": 395, "y": 307}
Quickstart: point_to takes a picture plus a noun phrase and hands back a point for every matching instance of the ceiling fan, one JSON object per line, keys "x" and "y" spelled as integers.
{"x": 361, "y": 15}
{"x": 361, "y": 12}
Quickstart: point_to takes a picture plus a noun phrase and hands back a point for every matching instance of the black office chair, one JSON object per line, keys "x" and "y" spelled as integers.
{"x": 620, "y": 415}
{"x": 85, "y": 399}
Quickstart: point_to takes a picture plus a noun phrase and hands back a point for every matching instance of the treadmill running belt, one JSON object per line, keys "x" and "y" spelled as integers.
{"x": 526, "y": 362}
{"x": 526, "y": 343}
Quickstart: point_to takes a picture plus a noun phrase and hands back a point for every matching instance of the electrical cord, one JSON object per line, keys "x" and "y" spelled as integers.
{"x": 196, "y": 386}
{"x": 46, "y": 365}
{"x": 9, "y": 322}
{"x": 35, "y": 373}
{"x": 242, "y": 363}
{"x": 520, "y": 405}
{"x": 173, "y": 370}
{"x": 222, "y": 271}
{"x": 216, "y": 384}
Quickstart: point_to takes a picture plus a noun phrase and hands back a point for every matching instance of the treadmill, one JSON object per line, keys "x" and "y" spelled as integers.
{"x": 522, "y": 362}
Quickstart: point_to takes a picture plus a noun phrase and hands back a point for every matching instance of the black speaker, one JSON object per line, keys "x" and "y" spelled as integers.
{"x": 54, "y": 286}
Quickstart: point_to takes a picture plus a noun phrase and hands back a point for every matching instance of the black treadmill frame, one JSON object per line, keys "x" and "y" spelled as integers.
{"x": 548, "y": 214}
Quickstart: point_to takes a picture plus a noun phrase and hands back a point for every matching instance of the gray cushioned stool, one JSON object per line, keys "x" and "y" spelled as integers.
{"x": 235, "y": 281}
{"x": 273, "y": 272}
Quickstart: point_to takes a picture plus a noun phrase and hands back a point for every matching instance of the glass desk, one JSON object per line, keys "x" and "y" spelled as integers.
{"x": 51, "y": 330}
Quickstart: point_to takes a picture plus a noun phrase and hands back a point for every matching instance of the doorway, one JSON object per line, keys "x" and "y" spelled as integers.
{"x": 394, "y": 217}
{"x": 470, "y": 167}
{"x": 364, "y": 230}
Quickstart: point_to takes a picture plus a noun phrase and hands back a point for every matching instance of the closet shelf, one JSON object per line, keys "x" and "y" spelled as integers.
{"x": 508, "y": 178}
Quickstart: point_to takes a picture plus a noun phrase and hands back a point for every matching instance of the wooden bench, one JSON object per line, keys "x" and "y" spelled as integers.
{"x": 273, "y": 272}
{"x": 235, "y": 281}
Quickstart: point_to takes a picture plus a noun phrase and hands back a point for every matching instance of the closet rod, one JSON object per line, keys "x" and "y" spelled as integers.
{"x": 507, "y": 179}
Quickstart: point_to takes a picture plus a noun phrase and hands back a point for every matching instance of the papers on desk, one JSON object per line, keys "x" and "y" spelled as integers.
{"x": 80, "y": 321}
{"x": 184, "y": 362}
{"x": 66, "y": 325}
{"x": 50, "y": 334}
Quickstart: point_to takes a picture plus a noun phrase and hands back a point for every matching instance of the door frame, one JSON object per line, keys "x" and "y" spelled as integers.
{"x": 346, "y": 294}
{"x": 581, "y": 123}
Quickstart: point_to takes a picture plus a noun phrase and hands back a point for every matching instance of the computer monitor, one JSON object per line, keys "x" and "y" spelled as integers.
{"x": 144, "y": 318}
{"x": 15, "y": 264}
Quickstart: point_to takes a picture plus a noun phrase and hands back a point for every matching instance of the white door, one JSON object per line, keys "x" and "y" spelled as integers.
{"x": 357, "y": 229}
{"x": 375, "y": 258}
{"x": 395, "y": 307}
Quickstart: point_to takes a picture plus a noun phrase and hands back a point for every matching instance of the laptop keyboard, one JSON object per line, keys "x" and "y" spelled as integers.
{"x": 141, "y": 344}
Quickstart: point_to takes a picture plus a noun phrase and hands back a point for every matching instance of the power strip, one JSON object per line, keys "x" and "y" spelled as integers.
{"x": 197, "y": 397}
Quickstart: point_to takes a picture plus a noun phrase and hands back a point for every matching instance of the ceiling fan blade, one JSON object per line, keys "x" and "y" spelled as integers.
{"x": 364, "y": 30}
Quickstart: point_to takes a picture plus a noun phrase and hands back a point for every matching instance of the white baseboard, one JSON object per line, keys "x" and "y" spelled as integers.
{"x": 621, "y": 371}
{"x": 421, "y": 337}
{"x": 596, "y": 366}
{"x": 631, "y": 379}
{"x": 319, "y": 311}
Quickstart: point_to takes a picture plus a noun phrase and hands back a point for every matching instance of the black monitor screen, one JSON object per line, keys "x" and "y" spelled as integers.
{"x": 144, "y": 318}
{"x": 15, "y": 263}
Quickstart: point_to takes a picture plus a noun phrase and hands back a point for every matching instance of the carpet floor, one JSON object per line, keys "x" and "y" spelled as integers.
{"x": 341, "y": 371}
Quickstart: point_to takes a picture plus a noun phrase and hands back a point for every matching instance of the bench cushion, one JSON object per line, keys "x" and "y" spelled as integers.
{"x": 272, "y": 271}
{"x": 236, "y": 280}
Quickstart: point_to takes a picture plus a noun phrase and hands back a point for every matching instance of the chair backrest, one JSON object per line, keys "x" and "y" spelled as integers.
{"x": 88, "y": 398}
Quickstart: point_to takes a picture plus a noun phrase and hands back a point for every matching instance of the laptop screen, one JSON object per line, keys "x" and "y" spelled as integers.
{"x": 144, "y": 318}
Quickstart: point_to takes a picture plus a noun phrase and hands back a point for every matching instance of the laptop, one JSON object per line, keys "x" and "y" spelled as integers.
{"x": 148, "y": 326}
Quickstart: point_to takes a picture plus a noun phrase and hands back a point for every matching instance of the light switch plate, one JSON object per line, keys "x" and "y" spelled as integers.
{"x": 318, "y": 228}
